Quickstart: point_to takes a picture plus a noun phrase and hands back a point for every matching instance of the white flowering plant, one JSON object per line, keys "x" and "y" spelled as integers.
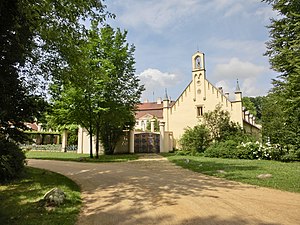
{"x": 258, "y": 150}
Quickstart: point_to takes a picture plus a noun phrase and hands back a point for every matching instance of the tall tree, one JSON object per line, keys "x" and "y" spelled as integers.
{"x": 17, "y": 103}
{"x": 284, "y": 56}
{"x": 100, "y": 89}
{"x": 123, "y": 91}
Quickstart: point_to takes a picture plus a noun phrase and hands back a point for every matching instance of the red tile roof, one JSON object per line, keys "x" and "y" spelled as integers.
{"x": 151, "y": 108}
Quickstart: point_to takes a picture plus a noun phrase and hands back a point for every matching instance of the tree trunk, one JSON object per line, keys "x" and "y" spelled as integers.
{"x": 97, "y": 141}
{"x": 91, "y": 142}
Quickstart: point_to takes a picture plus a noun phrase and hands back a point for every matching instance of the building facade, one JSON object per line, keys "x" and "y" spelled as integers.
{"x": 199, "y": 96}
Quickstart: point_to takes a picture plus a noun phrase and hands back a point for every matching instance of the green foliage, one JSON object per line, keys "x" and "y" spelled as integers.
{"x": 20, "y": 199}
{"x": 258, "y": 103}
{"x": 252, "y": 150}
{"x": 17, "y": 103}
{"x": 274, "y": 127}
{"x": 156, "y": 125}
{"x": 12, "y": 160}
{"x": 218, "y": 130}
{"x": 249, "y": 105}
{"x": 285, "y": 176}
{"x": 254, "y": 105}
{"x": 219, "y": 125}
{"x": 71, "y": 156}
{"x": 224, "y": 149}
{"x": 100, "y": 90}
{"x": 284, "y": 57}
{"x": 195, "y": 140}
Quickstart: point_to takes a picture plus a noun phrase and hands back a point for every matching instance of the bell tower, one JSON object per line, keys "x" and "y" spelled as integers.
{"x": 198, "y": 62}
{"x": 198, "y": 73}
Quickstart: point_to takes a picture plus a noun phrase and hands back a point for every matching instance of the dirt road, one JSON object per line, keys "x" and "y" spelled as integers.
{"x": 154, "y": 191}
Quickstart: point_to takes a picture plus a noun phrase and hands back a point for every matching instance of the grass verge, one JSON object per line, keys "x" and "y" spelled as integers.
{"x": 72, "y": 156}
{"x": 285, "y": 176}
{"x": 19, "y": 199}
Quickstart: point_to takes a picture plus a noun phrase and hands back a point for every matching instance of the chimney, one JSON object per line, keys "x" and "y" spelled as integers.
{"x": 220, "y": 89}
{"x": 247, "y": 116}
{"x": 159, "y": 101}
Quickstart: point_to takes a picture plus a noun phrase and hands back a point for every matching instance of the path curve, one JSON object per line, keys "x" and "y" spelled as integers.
{"x": 155, "y": 191}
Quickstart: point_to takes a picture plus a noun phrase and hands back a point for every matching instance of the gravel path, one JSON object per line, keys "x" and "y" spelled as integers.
{"x": 152, "y": 190}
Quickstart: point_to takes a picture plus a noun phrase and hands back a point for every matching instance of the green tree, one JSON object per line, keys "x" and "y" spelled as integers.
{"x": 258, "y": 103}
{"x": 17, "y": 104}
{"x": 283, "y": 52}
{"x": 219, "y": 125}
{"x": 100, "y": 90}
{"x": 195, "y": 139}
{"x": 122, "y": 92}
{"x": 274, "y": 127}
{"x": 36, "y": 38}
{"x": 249, "y": 105}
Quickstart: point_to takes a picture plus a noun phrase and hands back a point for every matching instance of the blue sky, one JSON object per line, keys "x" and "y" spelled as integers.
{"x": 166, "y": 33}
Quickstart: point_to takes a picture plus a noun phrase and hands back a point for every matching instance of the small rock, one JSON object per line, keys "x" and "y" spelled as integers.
{"x": 221, "y": 171}
{"x": 81, "y": 159}
{"x": 187, "y": 160}
{"x": 264, "y": 176}
{"x": 54, "y": 197}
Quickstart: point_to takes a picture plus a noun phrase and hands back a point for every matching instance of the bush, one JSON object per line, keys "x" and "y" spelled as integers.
{"x": 225, "y": 149}
{"x": 12, "y": 160}
{"x": 291, "y": 155}
{"x": 195, "y": 140}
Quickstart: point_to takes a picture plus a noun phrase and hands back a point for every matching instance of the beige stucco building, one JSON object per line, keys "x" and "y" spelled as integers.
{"x": 199, "y": 96}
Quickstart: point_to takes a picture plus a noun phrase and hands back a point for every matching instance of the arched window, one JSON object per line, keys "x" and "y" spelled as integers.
{"x": 198, "y": 62}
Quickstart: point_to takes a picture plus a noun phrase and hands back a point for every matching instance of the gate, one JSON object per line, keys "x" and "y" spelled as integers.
{"x": 146, "y": 142}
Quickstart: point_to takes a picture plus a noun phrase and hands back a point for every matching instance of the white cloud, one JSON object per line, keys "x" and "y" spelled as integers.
{"x": 156, "y": 81}
{"x": 265, "y": 13}
{"x": 158, "y": 15}
{"x": 248, "y": 86}
{"x": 235, "y": 9}
{"x": 248, "y": 74}
{"x": 247, "y": 48}
{"x": 226, "y": 85}
{"x": 155, "y": 14}
{"x": 236, "y": 68}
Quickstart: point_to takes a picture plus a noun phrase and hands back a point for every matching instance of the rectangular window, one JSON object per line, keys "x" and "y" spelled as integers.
{"x": 199, "y": 111}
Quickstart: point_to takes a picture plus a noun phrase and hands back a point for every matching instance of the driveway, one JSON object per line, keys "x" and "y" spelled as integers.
{"x": 154, "y": 191}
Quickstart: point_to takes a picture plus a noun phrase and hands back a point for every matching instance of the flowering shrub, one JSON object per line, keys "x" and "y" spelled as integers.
{"x": 253, "y": 150}
{"x": 257, "y": 150}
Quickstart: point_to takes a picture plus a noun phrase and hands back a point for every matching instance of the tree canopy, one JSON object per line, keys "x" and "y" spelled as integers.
{"x": 99, "y": 90}
{"x": 284, "y": 56}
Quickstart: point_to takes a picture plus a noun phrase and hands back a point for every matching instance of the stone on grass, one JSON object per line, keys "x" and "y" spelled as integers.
{"x": 54, "y": 197}
{"x": 82, "y": 159}
{"x": 264, "y": 176}
{"x": 187, "y": 160}
{"x": 221, "y": 171}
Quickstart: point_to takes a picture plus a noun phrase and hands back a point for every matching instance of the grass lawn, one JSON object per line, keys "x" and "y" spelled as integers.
{"x": 19, "y": 199}
{"x": 285, "y": 176}
{"x": 72, "y": 156}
